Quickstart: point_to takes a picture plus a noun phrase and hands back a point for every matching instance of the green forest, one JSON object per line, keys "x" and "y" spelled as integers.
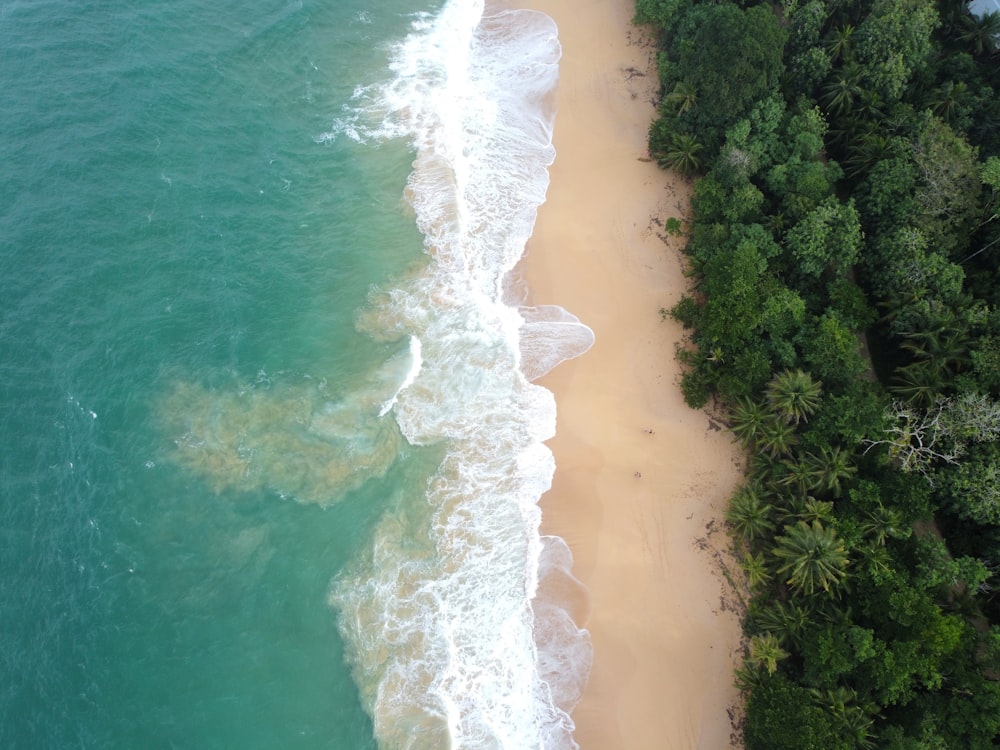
{"x": 844, "y": 317}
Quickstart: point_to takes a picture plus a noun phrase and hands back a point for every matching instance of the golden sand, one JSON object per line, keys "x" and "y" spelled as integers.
{"x": 642, "y": 479}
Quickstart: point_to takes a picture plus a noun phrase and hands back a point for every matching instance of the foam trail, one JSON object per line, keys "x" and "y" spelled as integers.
{"x": 416, "y": 362}
{"x": 550, "y": 335}
{"x": 449, "y": 644}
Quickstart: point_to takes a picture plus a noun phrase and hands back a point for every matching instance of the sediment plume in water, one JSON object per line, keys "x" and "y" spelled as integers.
{"x": 297, "y": 437}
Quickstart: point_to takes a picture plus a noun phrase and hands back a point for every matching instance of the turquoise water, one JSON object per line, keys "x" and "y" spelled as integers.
{"x": 270, "y": 459}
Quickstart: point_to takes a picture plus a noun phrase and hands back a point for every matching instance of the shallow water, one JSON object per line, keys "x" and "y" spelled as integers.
{"x": 271, "y": 459}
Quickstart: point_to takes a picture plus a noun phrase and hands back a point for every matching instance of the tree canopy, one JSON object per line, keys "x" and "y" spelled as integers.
{"x": 844, "y": 320}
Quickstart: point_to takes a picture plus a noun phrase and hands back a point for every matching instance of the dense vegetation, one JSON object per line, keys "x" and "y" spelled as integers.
{"x": 845, "y": 315}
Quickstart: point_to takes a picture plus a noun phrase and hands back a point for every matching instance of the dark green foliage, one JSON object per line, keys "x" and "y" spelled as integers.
{"x": 696, "y": 389}
{"x": 850, "y": 209}
{"x": 686, "y": 311}
{"x": 750, "y": 367}
{"x": 806, "y": 26}
{"x": 892, "y": 44}
{"x": 832, "y": 350}
{"x": 948, "y": 186}
{"x": 794, "y": 395}
{"x": 849, "y": 416}
{"x": 749, "y": 514}
{"x": 783, "y": 716}
{"x": 849, "y": 304}
{"x": 828, "y": 238}
{"x": 804, "y": 185}
{"x": 812, "y": 558}
{"x": 981, "y": 33}
{"x": 985, "y": 357}
{"x": 832, "y": 652}
{"x": 968, "y": 714}
{"x": 887, "y": 197}
{"x": 731, "y": 57}
{"x": 735, "y": 286}
{"x": 808, "y": 68}
{"x": 656, "y": 12}
{"x": 972, "y": 489}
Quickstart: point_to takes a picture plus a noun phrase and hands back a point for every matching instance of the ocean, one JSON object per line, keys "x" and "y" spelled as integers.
{"x": 271, "y": 448}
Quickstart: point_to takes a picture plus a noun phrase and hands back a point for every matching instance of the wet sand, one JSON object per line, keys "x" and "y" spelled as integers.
{"x": 641, "y": 478}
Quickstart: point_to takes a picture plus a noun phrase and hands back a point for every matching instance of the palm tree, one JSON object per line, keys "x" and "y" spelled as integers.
{"x": 981, "y": 33}
{"x": 841, "y": 91}
{"x": 871, "y": 148}
{"x": 870, "y": 106}
{"x": 816, "y": 510}
{"x": 798, "y": 474}
{"x": 945, "y": 101}
{"x": 986, "y": 124}
{"x": 829, "y": 467}
{"x": 845, "y": 132}
{"x": 814, "y": 558}
{"x": 944, "y": 346}
{"x": 681, "y": 154}
{"x": 838, "y": 42}
{"x": 843, "y": 706}
{"x": 777, "y": 438}
{"x": 746, "y": 418}
{"x": 748, "y": 514}
{"x": 876, "y": 559}
{"x": 682, "y": 98}
{"x": 749, "y": 677}
{"x": 776, "y": 224}
{"x": 787, "y": 621}
{"x": 766, "y": 652}
{"x": 765, "y": 468}
{"x": 794, "y": 395}
{"x": 755, "y": 567}
{"x": 880, "y": 524}
{"x": 916, "y": 383}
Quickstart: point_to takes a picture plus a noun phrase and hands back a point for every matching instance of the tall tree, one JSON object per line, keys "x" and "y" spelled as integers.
{"x": 777, "y": 437}
{"x": 682, "y": 98}
{"x": 732, "y": 57}
{"x": 749, "y": 513}
{"x": 766, "y": 652}
{"x": 838, "y": 42}
{"x": 828, "y": 237}
{"x": 842, "y": 90}
{"x": 787, "y": 620}
{"x": 813, "y": 557}
{"x": 981, "y": 33}
{"x": 746, "y": 420}
{"x": 949, "y": 185}
{"x": 794, "y": 395}
{"x": 830, "y": 466}
{"x": 680, "y": 154}
{"x": 853, "y": 716}
{"x": 892, "y": 43}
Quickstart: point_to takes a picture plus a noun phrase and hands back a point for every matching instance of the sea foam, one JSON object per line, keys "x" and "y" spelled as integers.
{"x": 457, "y": 619}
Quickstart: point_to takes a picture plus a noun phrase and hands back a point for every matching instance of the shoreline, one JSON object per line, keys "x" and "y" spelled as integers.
{"x": 641, "y": 479}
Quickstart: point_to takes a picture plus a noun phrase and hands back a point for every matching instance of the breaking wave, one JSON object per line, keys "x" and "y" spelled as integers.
{"x": 456, "y": 618}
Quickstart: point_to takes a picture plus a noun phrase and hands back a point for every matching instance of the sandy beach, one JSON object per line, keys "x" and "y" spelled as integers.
{"x": 641, "y": 478}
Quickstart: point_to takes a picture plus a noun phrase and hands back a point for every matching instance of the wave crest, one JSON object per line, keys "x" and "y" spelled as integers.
{"x": 449, "y": 644}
